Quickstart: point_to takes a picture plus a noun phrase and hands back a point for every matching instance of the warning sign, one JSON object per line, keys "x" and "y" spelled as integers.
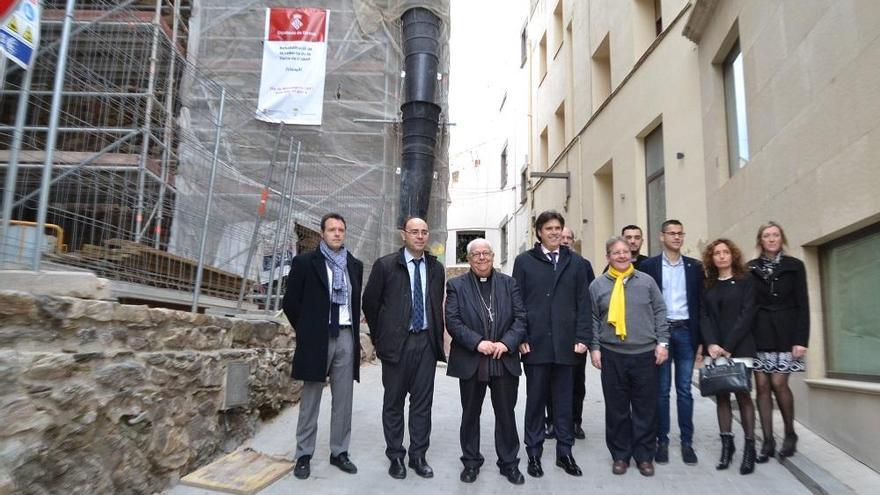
{"x": 20, "y": 35}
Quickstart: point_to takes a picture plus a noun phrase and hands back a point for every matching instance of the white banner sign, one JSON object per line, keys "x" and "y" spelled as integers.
{"x": 294, "y": 66}
{"x": 20, "y": 32}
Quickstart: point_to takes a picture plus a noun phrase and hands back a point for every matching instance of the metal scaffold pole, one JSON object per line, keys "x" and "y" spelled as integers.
{"x": 169, "y": 122}
{"x": 269, "y": 302}
{"x": 52, "y": 136}
{"x": 198, "y": 283}
{"x": 289, "y": 216}
{"x": 261, "y": 212}
{"x": 12, "y": 168}
{"x": 145, "y": 151}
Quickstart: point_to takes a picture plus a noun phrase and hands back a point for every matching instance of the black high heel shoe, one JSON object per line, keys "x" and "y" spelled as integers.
{"x": 789, "y": 445}
{"x": 768, "y": 450}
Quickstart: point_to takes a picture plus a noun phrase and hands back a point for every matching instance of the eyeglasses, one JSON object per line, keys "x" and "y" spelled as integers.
{"x": 674, "y": 234}
{"x": 416, "y": 232}
{"x": 482, "y": 254}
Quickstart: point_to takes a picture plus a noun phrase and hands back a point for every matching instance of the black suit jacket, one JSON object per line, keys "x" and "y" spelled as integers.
{"x": 388, "y": 305}
{"x": 783, "y": 307}
{"x": 307, "y": 307}
{"x": 558, "y": 305}
{"x": 464, "y": 322}
{"x": 693, "y": 275}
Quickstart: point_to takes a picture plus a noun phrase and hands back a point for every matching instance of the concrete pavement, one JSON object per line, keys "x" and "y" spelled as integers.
{"x": 367, "y": 451}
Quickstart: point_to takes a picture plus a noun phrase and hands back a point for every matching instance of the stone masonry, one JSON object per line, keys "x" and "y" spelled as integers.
{"x": 98, "y": 397}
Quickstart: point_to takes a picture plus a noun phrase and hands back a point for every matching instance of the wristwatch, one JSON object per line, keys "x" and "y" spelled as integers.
{"x": 664, "y": 344}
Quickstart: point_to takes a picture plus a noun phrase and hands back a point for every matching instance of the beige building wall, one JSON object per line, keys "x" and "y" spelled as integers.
{"x": 615, "y": 80}
{"x": 812, "y": 87}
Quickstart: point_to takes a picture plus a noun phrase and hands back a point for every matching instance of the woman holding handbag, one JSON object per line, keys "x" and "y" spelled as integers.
{"x": 782, "y": 331}
{"x": 728, "y": 311}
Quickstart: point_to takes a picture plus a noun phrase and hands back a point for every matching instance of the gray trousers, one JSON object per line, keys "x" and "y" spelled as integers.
{"x": 339, "y": 367}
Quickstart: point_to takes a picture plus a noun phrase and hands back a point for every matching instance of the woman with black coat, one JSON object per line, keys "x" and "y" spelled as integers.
{"x": 728, "y": 311}
{"x": 782, "y": 332}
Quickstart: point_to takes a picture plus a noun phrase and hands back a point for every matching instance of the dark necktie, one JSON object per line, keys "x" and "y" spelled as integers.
{"x": 553, "y": 256}
{"x": 334, "y": 320}
{"x": 418, "y": 303}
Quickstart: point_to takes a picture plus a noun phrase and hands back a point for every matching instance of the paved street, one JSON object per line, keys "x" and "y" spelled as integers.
{"x": 367, "y": 451}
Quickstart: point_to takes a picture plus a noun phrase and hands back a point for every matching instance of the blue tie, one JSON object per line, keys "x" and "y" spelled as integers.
{"x": 418, "y": 303}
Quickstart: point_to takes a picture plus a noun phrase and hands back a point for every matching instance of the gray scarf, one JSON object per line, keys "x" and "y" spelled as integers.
{"x": 338, "y": 265}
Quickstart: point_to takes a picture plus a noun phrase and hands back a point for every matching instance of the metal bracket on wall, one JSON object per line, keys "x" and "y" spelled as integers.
{"x": 556, "y": 175}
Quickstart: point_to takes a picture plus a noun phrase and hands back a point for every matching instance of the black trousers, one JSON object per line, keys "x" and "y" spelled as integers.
{"x": 413, "y": 375}
{"x": 503, "y": 393}
{"x": 555, "y": 380}
{"x": 629, "y": 383}
{"x": 579, "y": 393}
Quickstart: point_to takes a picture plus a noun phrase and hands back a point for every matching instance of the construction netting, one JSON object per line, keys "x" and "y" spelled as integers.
{"x": 159, "y": 94}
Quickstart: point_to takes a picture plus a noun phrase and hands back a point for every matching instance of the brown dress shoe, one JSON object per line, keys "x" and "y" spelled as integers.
{"x": 646, "y": 468}
{"x": 619, "y": 467}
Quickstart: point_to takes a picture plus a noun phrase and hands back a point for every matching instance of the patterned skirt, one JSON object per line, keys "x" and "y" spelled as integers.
{"x": 778, "y": 362}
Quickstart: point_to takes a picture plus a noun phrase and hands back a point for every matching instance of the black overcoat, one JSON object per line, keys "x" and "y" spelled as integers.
{"x": 783, "y": 308}
{"x": 307, "y": 307}
{"x": 464, "y": 322}
{"x": 558, "y": 305}
{"x": 388, "y": 305}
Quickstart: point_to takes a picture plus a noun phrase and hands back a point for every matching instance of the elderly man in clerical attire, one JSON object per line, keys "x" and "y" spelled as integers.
{"x": 487, "y": 321}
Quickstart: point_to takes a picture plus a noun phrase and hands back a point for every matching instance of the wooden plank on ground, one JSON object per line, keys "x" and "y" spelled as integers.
{"x": 243, "y": 472}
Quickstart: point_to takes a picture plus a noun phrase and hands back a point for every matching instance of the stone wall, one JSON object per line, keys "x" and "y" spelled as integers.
{"x": 98, "y": 397}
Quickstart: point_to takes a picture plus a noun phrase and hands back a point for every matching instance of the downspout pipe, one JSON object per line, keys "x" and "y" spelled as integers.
{"x": 420, "y": 114}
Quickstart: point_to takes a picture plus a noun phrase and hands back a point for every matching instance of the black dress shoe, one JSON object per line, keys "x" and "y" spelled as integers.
{"x": 579, "y": 432}
{"x": 549, "y": 431}
{"x": 567, "y": 462}
{"x": 535, "y": 470}
{"x": 514, "y": 475}
{"x": 397, "y": 469}
{"x": 469, "y": 474}
{"x": 789, "y": 445}
{"x": 302, "y": 469}
{"x": 662, "y": 454}
{"x": 344, "y": 463}
{"x": 646, "y": 468}
{"x": 768, "y": 450}
{"x": 688, "y": 455}
{"x": 421, "y": 467}
{"x": 619, "y": 467}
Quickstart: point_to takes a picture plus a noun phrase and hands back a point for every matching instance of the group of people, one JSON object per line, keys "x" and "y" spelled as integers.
{"x": 644, "y": 323}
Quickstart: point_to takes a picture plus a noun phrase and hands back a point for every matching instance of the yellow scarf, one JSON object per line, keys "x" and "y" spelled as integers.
{"x": 617, "y": 305}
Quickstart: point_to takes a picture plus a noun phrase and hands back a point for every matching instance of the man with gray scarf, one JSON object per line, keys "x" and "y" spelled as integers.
{"x": 323, "y": 304}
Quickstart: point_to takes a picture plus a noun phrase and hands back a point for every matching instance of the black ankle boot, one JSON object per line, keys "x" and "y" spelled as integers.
{"x": 727, "y": 450}
{"x": 789, "y": 445}
{"x": 749, "y": 455}
{"x": 768, "y": 450}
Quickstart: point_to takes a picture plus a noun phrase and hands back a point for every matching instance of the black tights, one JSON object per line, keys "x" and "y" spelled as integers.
{"x": 746, "y": 413}
{"x": 778, "y": 384}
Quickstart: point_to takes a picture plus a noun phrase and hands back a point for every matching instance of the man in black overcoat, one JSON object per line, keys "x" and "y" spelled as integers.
{"x": 322, "y": 303}
{"x": 403, "y": 305}
{"x": 486, "y": 319}
{"x": 553, "y": 282}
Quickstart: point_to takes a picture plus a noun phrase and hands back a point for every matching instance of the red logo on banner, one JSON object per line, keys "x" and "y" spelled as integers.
{"x": 297, "y": 25}
{"x": 6, "y": 7}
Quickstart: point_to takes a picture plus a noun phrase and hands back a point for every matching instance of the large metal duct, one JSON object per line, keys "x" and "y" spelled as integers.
{"x": 421, "y": 116}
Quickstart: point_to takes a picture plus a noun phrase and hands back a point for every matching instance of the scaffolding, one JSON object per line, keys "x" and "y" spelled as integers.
{"x": 159, "y": 170}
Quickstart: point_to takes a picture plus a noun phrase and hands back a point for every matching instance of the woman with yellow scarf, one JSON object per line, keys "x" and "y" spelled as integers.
{"x": 630, "y": 339}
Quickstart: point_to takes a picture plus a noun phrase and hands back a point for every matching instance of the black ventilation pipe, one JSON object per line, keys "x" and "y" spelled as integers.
{"x": 421, "y": 116}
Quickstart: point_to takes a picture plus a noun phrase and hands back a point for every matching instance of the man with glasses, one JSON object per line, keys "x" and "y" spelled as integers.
{"x": 553, "y": 281}
{"x": 402, "y": 304}
{"x": 680, "y": 278}
{"x": 486, "y": 319}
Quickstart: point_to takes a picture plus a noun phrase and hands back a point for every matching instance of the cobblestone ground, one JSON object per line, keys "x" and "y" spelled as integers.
{"x": 368, "y": 447}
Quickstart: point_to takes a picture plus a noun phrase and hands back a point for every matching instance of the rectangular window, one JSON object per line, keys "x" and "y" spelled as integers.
{"x": 544, "y": 150}
{"x": 523, "y": 46}
{"x": 504, "y": 166}
{"x": 601, "y": 72}
{"x": 658, "y": 17}
{"x": 850, "y": 274}
{"x": 462, "y": 238}
{"x": 559, "y": 130}
{"x": 503, "y": 242}
{"x": 656, "y": 187}
{"x": 542, "y": 59}
{"x": 557, "y": 27}
{"x": 735, "y": 107}
{"x": 524, "y": 185}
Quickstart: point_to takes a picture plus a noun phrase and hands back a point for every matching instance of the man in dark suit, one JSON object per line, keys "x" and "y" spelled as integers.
{"x": 580, "y": 376}
{"x": 403, "y": 303}
{"x": 553, "y": 282}
{"x": 322, "y": 303}
{"x": 633, "y": 236}
{"x": 486, "y": 319}
{"x": 680, "y": 278}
